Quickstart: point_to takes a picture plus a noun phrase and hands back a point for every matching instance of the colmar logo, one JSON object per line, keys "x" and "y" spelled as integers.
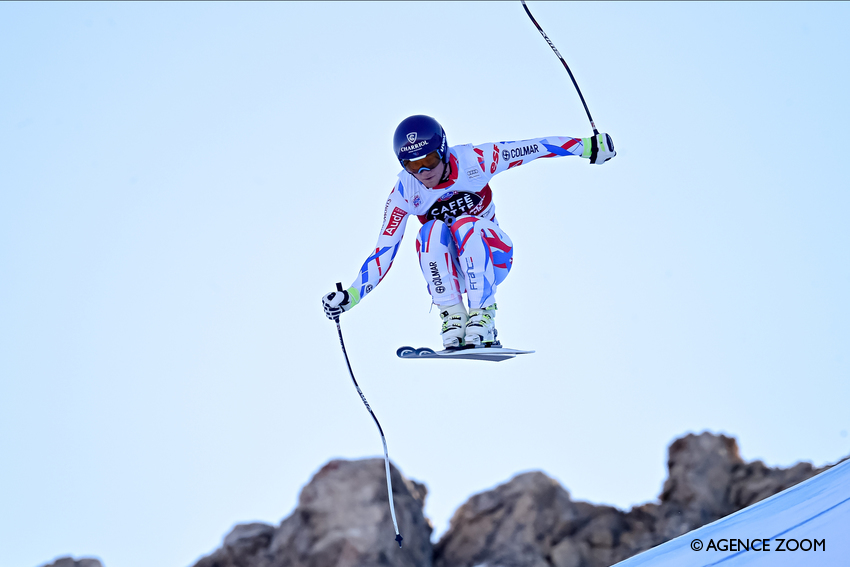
{"x": 435, "y": 278}
{"x": 520, "y": 152}
{"x": 395, "y": 221}
{"x": 411, "y": 138}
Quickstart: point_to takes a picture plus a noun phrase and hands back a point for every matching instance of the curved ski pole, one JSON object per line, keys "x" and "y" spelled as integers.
{"x": 567, "y": 67}
{"x": 398, "y": 537}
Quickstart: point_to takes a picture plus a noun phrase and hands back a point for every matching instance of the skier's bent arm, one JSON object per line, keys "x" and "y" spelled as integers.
{"x": 380, "y": 260}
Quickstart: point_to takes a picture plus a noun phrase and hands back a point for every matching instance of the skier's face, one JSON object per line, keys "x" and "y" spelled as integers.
{"x": 431, "y": 178}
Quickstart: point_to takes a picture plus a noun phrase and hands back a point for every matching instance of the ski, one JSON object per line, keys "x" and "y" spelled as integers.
{"x": 493, "y": 354}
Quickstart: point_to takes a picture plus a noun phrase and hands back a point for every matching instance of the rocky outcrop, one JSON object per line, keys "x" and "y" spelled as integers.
{"x": 71, "y": 562}
{"x": 342, "y": 519}
{"x": 532, "y": 522}
{"x": 708, "y": 480}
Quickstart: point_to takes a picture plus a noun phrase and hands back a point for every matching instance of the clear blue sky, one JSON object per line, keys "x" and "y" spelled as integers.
{"x": 179, "y": 184}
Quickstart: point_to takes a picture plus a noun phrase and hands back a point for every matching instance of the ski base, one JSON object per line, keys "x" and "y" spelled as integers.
{"x": 492, "y": 353}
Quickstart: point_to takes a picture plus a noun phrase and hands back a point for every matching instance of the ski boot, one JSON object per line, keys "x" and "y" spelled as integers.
{"x": 454, "y": 324}
{"x": 481, "y": 327}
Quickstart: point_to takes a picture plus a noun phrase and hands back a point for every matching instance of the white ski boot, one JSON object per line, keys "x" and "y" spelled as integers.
{"x": 481, "y": 327}
{"x": 454, "y": 324}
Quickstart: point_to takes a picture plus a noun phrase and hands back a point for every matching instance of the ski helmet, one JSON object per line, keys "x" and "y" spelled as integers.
{"x": 418, "y": 136}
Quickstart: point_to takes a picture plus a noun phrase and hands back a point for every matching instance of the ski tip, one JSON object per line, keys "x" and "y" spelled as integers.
{"x": 398, "y": 538}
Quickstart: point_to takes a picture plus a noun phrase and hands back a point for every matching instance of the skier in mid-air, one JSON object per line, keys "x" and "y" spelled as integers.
{"x": 461, "y": 247}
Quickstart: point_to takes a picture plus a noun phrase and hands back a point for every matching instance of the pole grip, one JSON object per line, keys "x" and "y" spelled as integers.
{"x": 339, "y": 286}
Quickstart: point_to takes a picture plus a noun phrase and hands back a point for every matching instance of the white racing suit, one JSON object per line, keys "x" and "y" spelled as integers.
{"x": 461, "y": 247}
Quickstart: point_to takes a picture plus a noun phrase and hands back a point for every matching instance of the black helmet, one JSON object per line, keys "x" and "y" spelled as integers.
{"x": 418, "y": 136}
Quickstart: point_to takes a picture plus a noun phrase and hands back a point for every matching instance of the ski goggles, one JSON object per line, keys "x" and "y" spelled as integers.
{"x": 425, "y": 163}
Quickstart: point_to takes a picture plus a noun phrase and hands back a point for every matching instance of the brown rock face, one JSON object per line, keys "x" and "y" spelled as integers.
{"x": 508, "y": 526}
{"x": 532, "y": 522}
{"x": 342, "y": 519}
{"x": 708, "y": 480}
{"x": 700, "y": 473}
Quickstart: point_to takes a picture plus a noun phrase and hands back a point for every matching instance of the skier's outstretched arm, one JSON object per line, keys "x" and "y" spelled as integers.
{"x": 379, "y": 262}
{"x": 497, "y": 157}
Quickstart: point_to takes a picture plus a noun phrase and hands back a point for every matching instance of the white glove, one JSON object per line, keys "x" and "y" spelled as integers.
{"x": 336, "y": 302}
{"x": 599, "y": 148}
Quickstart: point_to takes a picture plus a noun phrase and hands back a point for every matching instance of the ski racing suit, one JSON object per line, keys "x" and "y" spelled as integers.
{"x": 461, "y": 247}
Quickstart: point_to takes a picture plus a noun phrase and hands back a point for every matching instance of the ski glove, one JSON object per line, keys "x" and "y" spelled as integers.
{"x": 599, "y": 148}
{"x": 336, "y": 302}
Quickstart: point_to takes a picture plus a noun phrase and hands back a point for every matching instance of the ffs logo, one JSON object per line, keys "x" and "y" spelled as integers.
{"x": 411, "y": 138}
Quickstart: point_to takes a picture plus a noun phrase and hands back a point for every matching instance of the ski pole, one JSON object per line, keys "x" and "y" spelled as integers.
{"x": 567, "y": 67}
{"x": 398, "y": 537}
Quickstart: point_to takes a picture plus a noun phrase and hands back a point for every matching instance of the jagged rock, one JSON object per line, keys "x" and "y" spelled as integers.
{"x": 700, "y": 473}
{"x": 510, "y": 526}
{"x": 342, "y": 519}
{"x": 71, "y": 562}
{"x": 532, "y": 522}
{"x": 708, "y": 480}
{"x": 755, "y": 481}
